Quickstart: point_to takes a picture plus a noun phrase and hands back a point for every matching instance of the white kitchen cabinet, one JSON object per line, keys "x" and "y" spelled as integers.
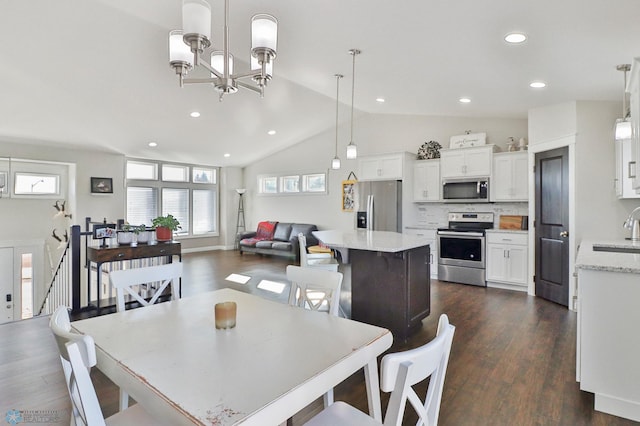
{"x": 426, "y": 181}
{"x": 608, "y": 348}
{"x": 466, "y": 162}
{"x": 633, "y": 88}
{"x": 625, "y": 169}
{"x": 507, "y": 260}
{"x": 430, "y": 234}
{"x": 381, "y": 167}
{"x": 510, "y": 181}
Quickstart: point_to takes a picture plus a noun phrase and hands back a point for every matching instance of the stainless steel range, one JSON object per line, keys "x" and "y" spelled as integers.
{"x": 461, "y": 248}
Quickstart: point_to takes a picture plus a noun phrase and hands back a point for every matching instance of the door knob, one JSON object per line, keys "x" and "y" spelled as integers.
{"x": 564, "y": 234}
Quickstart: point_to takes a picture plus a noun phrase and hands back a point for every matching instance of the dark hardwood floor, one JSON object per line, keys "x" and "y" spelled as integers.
{"x": 512, "y": 361}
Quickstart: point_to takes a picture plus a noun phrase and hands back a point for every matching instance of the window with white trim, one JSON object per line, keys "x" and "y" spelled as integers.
{"x": 188, "y": 192}
{"x": 312, "y": 183}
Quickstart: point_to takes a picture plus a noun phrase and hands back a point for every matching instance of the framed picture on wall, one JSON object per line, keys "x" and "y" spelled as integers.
{"x": 101, "y": 185}
{"x": 348, "y": 195}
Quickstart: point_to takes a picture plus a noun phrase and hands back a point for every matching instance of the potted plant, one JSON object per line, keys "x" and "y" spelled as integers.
{"x": 165, "y": 227}
{"x": 144, "y": 234}
{"x": 125, "y": 234}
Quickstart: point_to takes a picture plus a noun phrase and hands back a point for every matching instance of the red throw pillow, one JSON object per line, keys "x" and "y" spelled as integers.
{"x": 266, "y": 230}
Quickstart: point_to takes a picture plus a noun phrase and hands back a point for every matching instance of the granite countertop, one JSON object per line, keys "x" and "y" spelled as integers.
{"x": 362, "y": 239}
{"x": 608, "y": 261}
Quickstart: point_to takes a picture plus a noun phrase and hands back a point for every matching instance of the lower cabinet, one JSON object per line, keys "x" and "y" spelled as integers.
{"x": 391, "y": 290}
{"x": 430, "y": 234}
{"x": 507, "y": 260}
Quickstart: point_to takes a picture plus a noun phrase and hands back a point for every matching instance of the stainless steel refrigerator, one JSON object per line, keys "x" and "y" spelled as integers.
{"x": 380, "y": 205}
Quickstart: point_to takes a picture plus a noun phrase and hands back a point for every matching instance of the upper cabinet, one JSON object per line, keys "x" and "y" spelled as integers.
{"x": 466, "y": 162}
{"x": 510, "y": 179}
{"x": 426, "y": 181}
{"x": 382, "y": 167}
{"x": 625, "y": 169}
{"x": 633, "y": 88}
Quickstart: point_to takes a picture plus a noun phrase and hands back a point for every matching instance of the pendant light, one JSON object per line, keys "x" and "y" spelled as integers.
{"x": 335, "y": 163}
{"x": 352, "y": 149}
{"x": 623, "y": 127}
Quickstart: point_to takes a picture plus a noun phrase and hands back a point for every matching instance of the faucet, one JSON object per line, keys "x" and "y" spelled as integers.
{"x": 633, "y": 224}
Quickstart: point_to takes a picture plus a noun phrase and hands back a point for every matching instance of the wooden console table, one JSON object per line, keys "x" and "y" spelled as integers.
{"x": 117, "y": 253}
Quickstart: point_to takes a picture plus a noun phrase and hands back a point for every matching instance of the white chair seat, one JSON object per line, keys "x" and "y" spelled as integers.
{"x": 340, "y": 413}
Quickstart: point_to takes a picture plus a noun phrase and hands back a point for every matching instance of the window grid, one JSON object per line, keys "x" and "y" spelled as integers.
{"x": 312, "y": 183}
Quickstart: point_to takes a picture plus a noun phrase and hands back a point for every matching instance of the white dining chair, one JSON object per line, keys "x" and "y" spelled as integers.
{"x": 315, "y": 260}
{"x": 399, "y": 372}
{"x": 317, "y": 290}
{"x": 127, "y": 281}
{"x": 78, "y": 355}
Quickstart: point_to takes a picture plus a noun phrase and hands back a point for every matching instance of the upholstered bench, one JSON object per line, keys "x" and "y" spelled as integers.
{"x": 277, "y": 239}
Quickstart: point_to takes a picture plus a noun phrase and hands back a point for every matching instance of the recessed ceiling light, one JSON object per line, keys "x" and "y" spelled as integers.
{"x": 381, "y": 100}
{"x": 537, "y": 84}
{"x": 271, "y": 132}
{"x": 227, "y": 155}
{"x": 152, "y": 144}
{"x": 195, "y": 114}
{"x": 515, "y": 38}
{"x": 465, "y": 100}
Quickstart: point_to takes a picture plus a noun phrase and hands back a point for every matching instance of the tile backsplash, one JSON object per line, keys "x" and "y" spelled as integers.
{"x": 434, "y": 215}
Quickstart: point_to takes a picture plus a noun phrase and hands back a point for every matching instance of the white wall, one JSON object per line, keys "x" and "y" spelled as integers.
{"x": 373, "y": 134}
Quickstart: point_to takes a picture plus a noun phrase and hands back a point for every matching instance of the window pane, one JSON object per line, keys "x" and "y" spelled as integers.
{"x": 204, "y": 175}
{"x": 204, "y": 206}
{"x": 142, "y": 205}
{"x": 140, "y": 170}
{"x": 290, "y": 184}
{"x": 175, "y": 173}
{"x": 269, "y": 185}
{"x": 176, "y": 203}
{"x": 30, "y": 183}
{"x": 314, "y": 183}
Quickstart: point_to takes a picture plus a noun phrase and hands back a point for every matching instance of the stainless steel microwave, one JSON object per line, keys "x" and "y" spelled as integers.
{"x": 466, "y": 190}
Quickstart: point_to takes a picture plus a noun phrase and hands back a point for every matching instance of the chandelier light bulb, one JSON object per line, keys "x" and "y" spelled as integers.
{"x": 264, "y": 32}
{"x": 217, "y": 62}
{"x": 352, "y": 151}
{"x": 178, "y": 50}
{"x": 196, "y": 18}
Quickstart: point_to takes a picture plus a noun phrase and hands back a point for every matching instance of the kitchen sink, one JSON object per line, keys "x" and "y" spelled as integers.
{"x": 632, "y": 250}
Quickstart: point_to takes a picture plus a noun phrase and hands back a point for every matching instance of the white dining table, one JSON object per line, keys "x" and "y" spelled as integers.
{"x": 278, "y": 359}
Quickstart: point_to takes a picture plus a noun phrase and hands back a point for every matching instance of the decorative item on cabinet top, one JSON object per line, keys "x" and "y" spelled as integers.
{"x": 429, "y": 150}
{"x": 467, "y": 140}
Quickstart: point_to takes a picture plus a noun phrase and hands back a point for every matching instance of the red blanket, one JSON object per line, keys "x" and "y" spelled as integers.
{"x": 264, "y": 233}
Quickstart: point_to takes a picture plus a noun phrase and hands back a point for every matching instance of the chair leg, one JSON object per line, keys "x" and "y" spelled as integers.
{"x": 327, "y": 398}
{"x": 124, "y": 400}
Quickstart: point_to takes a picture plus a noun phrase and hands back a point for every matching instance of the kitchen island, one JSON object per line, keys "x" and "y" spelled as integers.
{"x": 608, "y": 346}
{"x": 390, "y": 284}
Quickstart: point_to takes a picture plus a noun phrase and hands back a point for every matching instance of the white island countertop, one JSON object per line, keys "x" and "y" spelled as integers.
{"x": 362, "y": 239}
{"x": 588, "y": 258}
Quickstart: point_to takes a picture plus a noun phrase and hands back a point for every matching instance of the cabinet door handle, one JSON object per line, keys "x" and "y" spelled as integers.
{"x": 631, "y": 175}
{"x": 564, "y": 234}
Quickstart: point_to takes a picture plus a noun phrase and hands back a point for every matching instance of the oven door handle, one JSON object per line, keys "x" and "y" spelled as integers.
{"x": 461, "y": 234}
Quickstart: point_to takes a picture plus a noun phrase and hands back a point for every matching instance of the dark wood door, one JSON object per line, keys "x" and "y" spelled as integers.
{"x": 552, "y": 225}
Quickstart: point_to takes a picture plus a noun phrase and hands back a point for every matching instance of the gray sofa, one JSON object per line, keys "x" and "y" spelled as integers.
{"x": 284, "y": 241}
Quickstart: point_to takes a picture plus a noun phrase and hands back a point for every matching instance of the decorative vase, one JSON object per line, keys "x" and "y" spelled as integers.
{"x": 144, "y": 236}
{"x": 163, "y": 233}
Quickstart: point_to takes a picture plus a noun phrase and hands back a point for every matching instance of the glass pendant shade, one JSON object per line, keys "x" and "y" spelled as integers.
{"x": 178, "y": 50}
{"x": 217, "y": 62}
{"x": 623, "y": 129}
{"x": 264, "y": 32}
{"x": 335, "y": 163}
{"x": 256, "y": 66}
{"x": 196, "y": 18}
{"x": 352, "y": 151}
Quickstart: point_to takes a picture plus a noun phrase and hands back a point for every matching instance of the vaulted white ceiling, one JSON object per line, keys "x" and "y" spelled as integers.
{"x": 95, "y": 72}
